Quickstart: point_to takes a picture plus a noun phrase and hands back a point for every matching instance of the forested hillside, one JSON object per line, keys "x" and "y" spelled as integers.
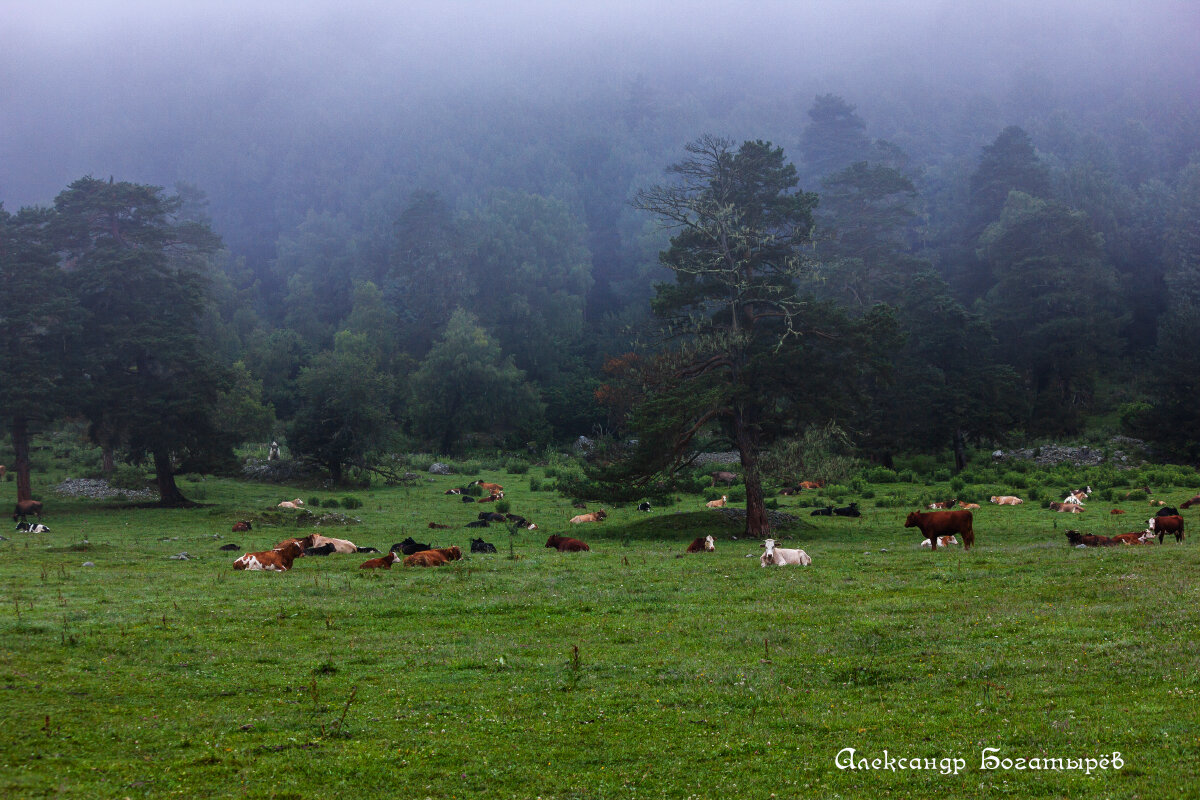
{"x": 358, "y": 261}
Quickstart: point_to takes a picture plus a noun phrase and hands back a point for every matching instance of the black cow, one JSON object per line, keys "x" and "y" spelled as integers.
{"x": 1167, "y": 511}
{"x": 367, "y": 550}
{"x": 827, "y": 511}
{"x": 492, "y": 516}
{"x": 468, "y": 499}
{"x": 480, "y": 546}
{"x": 230, "y": 546}
{"x": 323, "y": 550}
{"x": 479, "y": 523}
{"x": 644, "y": 506}
{"x": 408, "y": 547}
{"x": 848, "y": 511}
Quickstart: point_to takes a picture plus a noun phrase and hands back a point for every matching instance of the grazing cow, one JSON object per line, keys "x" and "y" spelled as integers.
{"x": 479, "y": 523}
{"x": 717, "y": 503}
{"x": 409, "y": 546}
{"x": 437, "y": 526}
{"x": 943, "y": 541}
{"x": 1191, "y": 502}
{"x": 492, "y": 516}
{"x": 968, "y": 506}
{"x": 426, "y": 558}
{"x": 827, "y": 511}
{"x": 1067, "y": 508}
{"x": 1165, "y": 525}
{"x": 1116, "y": 511}
{"x": 595, "y": 516}
{"x": 241, "y": 526}
{"x": 782, "y": 557}
{"x": 1089, "y": 540}
{"x": 942, "y": 523}
{"x": 644, "y": 506}
{"x": 727, "y": 478}
{"x": 1167, "y": 511}
{"x": 323, "y": 550}
{"x": 341, "y": 545}
{"x": 491, "y": 488}
{"x": 1006, "y": 500}
{"x": 848, "y": 511}
{"x": 942, "y": 504}
{"x": 565, "y": 544}
{"x": 278, "y": 560}
{"x": 480, "y": 546}
{"x": 26, "y": 507}
{"x": 702, "y": 544}
{"x": 383, "y": 562}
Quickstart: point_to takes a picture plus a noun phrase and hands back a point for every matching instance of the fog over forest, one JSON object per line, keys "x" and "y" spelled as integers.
{"x": 1030, "y": 168}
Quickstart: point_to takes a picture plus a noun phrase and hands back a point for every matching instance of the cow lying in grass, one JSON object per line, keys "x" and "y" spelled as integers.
{"x": 595, "y": 516}
{"x": 781, "y": 557}
{"x": 565, "y": 544}
{"x": 942, "y": 541}
{"x": 1090, "y": 540}
{"x": 383, "y": 562}
{"x": 277, "y": 560}
{"x": 702, "y": 544}
{"x": 433, "y": 558}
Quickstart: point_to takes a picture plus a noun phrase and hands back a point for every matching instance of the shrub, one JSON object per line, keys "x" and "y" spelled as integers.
{"x": 466, "y": 467}
{"x": 957, "y": 483}
{"x": 1034, "y": 493}
{"x": 736, "y": 494}
{"x": 351, "y": 502}
{"x": 892, "y": 501}
{"x": 535, "y": 483}
{"x": 857, "y": 484}
{"x": 332, "y": 503}
{"x": 474, "y": 490}
{"x": 503, "y": 506}
{"x": 941, "y": 475}
{"x": 713, "y": 493}
{"x": 867, "y": 494}
{"x": 881, "y": 475}
{"x": 1015, "y": 480}
{"x": 127, "y": 476}
{"x": 907, "y": 476}
{"x": 315, "y": 502}
{"x": 771, "y": 504}
{"x": 516, "y": 466}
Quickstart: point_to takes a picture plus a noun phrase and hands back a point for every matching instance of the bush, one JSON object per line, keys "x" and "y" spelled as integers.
{"x": 881, "y": 475}
{"x": 315, "y": 502}
{"x": 351, "y": 502}
{"x": 867, "y": 494}
{"x": 535, "y": 483}
{"x": 127, "y": 476}
{"x": 771, "y": 504}
{"x": 466, "y": 467}
{"x": 503, "y": 506}
{"x": 736, "y": 494}
{"x": 1016, "y": 480}
{"x": 957, "y": 483}
{"x": 473, "y": 490}
{"x": 893, "y": 501}
{"x": 907, "y": 476}
{"x": 1035, "y": 493}
{"x": 332, "y": 503}
{"x": 516, "y": 466}
{"x": 941, "y": 476}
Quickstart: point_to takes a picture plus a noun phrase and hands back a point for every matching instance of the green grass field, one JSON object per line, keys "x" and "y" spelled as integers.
{"x": 621, "y": 673}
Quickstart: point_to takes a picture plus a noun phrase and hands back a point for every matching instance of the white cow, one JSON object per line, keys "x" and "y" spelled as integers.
{"x": 782, "y": 556}
{"x": 943, "y": 541}
{"x": 339, "y": 545}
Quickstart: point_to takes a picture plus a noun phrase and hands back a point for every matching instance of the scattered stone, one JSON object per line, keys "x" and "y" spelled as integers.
{"x": 883, "y": 549}
{"x": 98, "y": 489}
{"x": 88, "y": 564}
{"x": 179, "y": 557}
{"x": 281, "y": 471}
{"x": 774, "y": 517}
{"x": 438, "y": 468}
{"x": 730, "y": 457}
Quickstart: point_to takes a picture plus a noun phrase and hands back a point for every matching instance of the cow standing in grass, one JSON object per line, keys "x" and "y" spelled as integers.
{"x": 943, "y": 523}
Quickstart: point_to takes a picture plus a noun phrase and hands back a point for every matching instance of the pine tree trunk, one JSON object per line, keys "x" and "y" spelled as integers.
{"x": 20, "y": 437}
{"x": 757, "y": 524}
{"x": 107, "y": 462}
{"x": 960, "y": 452}
{"x": 164, "y": 476}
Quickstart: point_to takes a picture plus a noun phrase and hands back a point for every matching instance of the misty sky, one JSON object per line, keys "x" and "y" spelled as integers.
{"x": 82, "y": 77}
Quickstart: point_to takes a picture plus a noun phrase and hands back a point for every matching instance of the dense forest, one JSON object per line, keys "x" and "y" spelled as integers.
{"x": 950, "y": 266}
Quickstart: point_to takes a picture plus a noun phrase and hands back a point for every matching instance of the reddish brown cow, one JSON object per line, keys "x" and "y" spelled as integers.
{"x": 1089, "y": 540}
{"x": 565, "y": 544}
{"x": 811, "y": 484}
{"x": 449, "y": 553}
{"x": 1165, "y": 525}
{"x": 241, "y": 526}
{"x": 1190, "y": 503}
{"x": 278, "y": 560}
{"x": 701, "y": 544}
{"x": 383, "y": 562}
{"x": 1067, "y": 508}
{"x": 1133, "y": 537}
{"x": 943, "y": 523}
{"x": 1116, "y": 511}
{"x": 27, "y": 507}
{"x": 426, "y": 558}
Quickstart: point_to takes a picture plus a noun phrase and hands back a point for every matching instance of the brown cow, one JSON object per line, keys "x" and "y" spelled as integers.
{"x": 1089, "y": 540}
{"x": 726, "y": 478}
{"x": 426, "y": 558}
{"x": 278, "y": 560}
{"x": 943, "y": 523}
{"x": 452, "y": 553}
{"x": 383, "y": 562}
{"x": 1116, "y": 511}
{"x": 1067, "y": 508}
{"x": 241, "y": 526}
{"x": 702, "y": 544}
{"x": 1165, "y": 525}
{"x": 1134, "y": 537}
{"x": 491, "y": 488}
{"x": 27, "y": 507}
{"x": 718, "y": 503}
{"x": 811, "y": 484}
{"x": 1190, "y": 503}
{"x": 565, "y": 544}
{"x": 968, "y": 506}
{"x": 305, "y": 543}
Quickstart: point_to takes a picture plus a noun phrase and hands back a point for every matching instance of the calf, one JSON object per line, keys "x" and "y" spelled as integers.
{"x": 241, "y": 526}
{"x": 491, "y": 498}
{"x": 702, "y": 544}
{"x": 480, "y": 546}
{"x": 595, "y": 516}
{"x": 717, "y": 503}
{"x": 230, "y": 546}
{"x": 943, "y": 541}
{"x": 1134, "y": 537}
{"x": 968, "y": 506}
{"x": 1006, "y": 500}
{"x": 565, "y": 544}
{"x": 782, "y": 557}
{"x": 452, "y": 553}
{"x": 479, "y": 523}
{"x": 408, "y": 547}
{"x": 383, "y": 562}
{"x": 468, "y": 499}
{"x": 943, "y": 504}
{"x": 488, "y": 487}
{"x": 811, "y": 485}
{"x": 1067, "y": 508}
{"x": 1165, "y": 525}
{"x": 455, "y": 490}
{"x": 942, "y": 523}
{"x": 1116, "y": 511}
{"x": 26, "y": 507}
{"x": 278, "y": 560}
{"x": 438, "y": 527}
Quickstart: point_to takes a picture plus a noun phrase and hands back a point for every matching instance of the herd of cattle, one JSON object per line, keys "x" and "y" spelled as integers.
{"x": 940, "y": 527}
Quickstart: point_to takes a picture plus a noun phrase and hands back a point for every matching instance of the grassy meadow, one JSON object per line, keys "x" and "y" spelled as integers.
{"x": 621, "y": 673}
